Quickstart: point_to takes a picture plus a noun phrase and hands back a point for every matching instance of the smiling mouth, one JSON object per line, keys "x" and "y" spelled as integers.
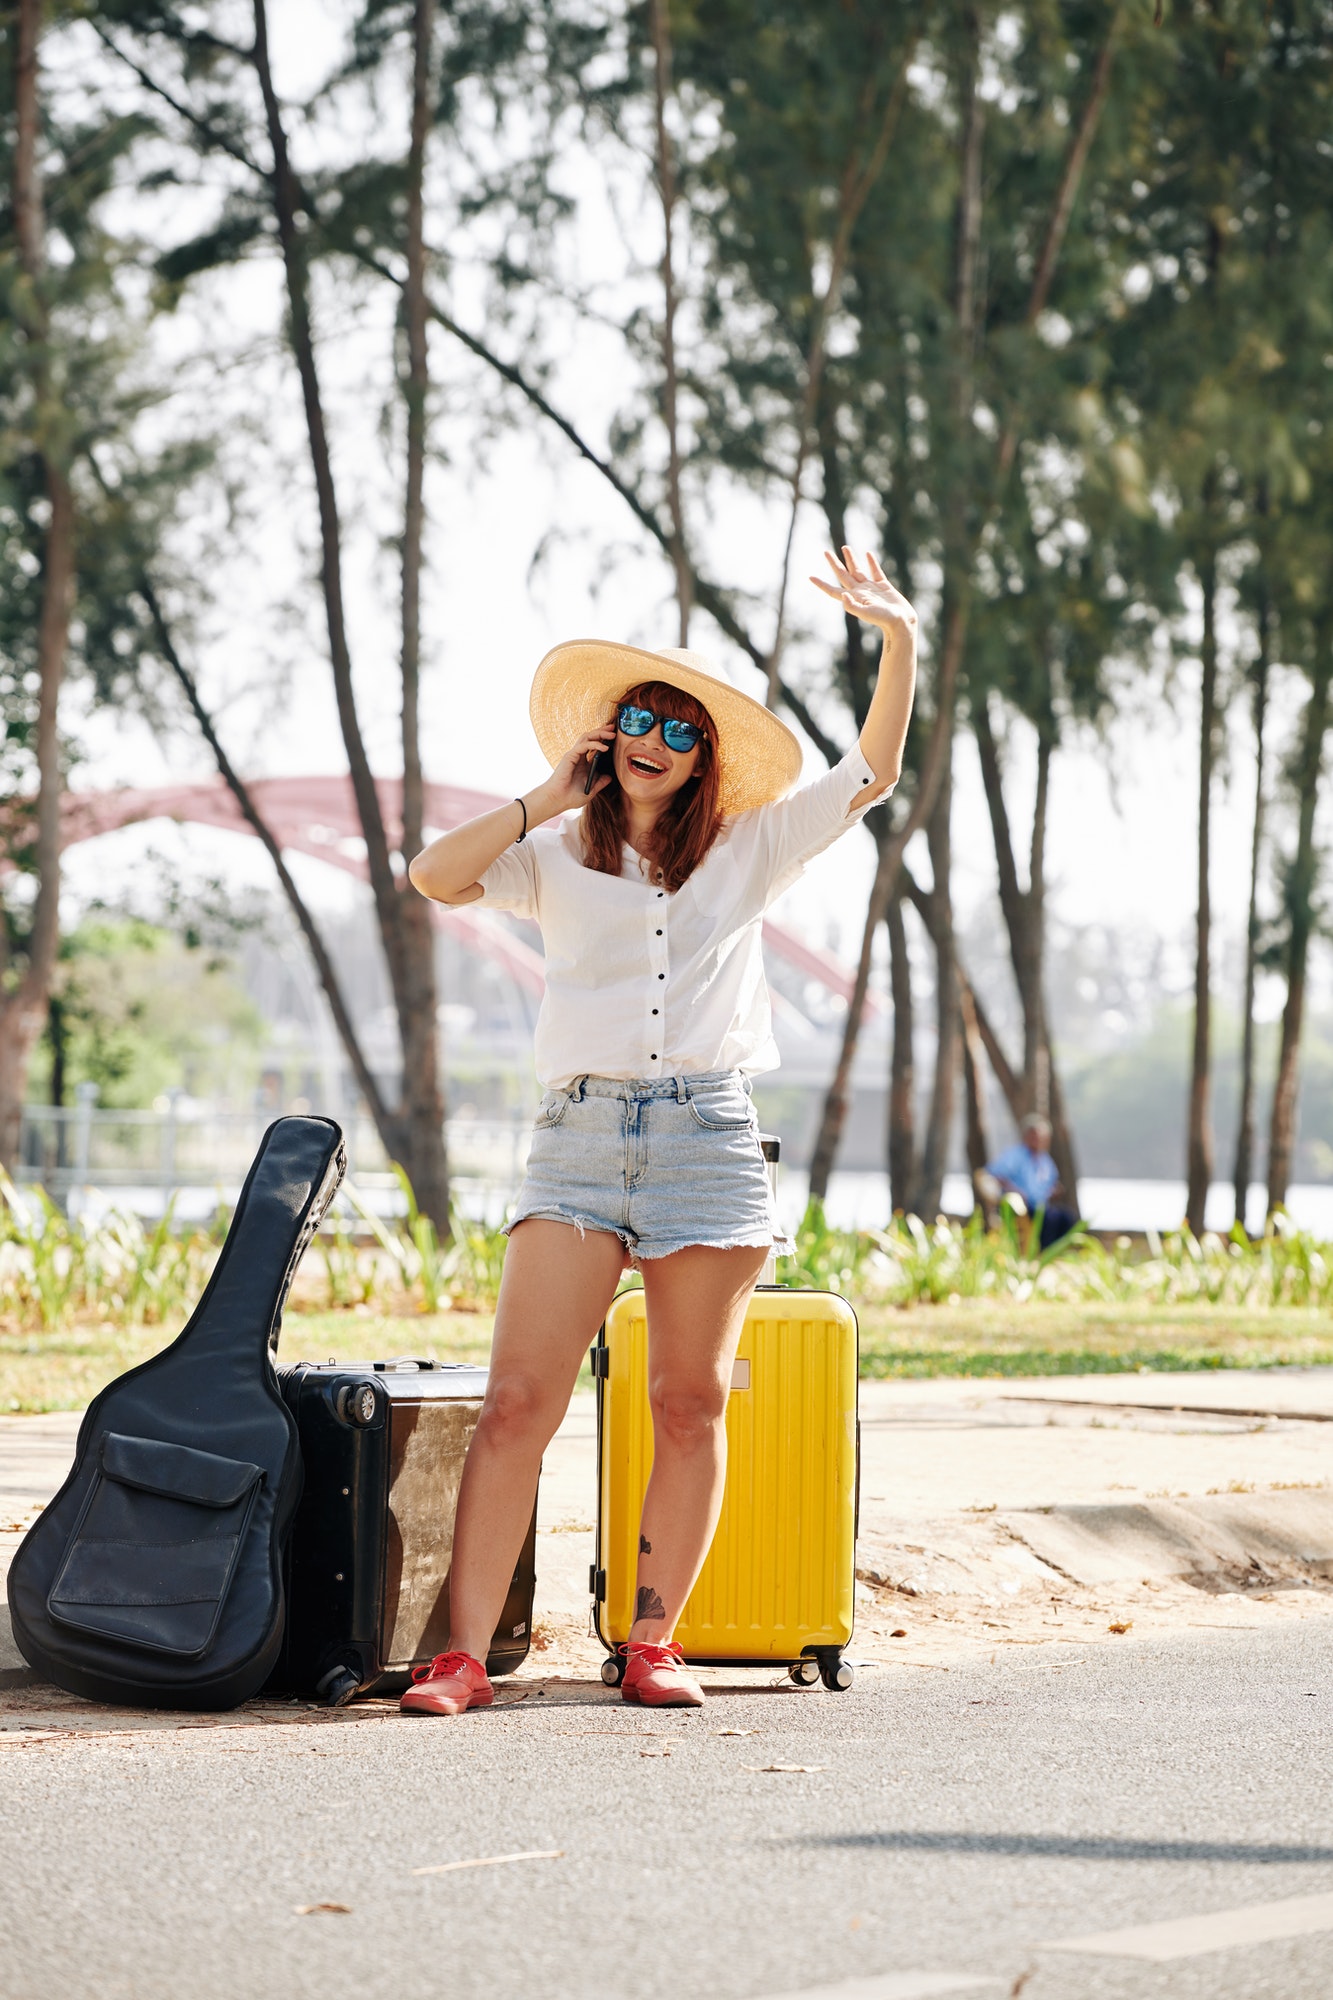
{"x": 646, "y": 768}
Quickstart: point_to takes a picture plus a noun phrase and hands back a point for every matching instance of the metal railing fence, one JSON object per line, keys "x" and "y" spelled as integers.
{"x": 145, "y": 1157}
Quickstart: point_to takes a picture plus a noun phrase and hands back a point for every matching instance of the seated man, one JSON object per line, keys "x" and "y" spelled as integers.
{"x": 1027, "y": 1169}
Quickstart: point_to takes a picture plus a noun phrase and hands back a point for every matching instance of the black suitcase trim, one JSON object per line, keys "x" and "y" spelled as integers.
{"x": 335, "y": 1628}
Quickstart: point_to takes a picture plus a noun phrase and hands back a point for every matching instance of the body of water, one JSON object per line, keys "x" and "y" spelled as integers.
{"x": 861, "y": 1201}
{"x": 855, "y": 1201}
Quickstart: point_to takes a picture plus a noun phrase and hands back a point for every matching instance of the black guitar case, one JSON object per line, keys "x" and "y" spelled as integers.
{"x": 155, "y": 1575}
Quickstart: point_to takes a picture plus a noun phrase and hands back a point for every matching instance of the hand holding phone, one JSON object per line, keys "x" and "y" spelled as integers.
{"x": 601, "y": 766}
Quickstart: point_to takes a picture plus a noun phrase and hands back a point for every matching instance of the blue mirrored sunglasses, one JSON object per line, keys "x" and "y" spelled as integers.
{"x": 677, "y": 735}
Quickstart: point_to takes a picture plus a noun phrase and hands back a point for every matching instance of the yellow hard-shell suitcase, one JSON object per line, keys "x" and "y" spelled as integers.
{"x": 779, "y": 1581}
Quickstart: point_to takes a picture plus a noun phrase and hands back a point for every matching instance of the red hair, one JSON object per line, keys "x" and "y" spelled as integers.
{"x": 690, "y": 821}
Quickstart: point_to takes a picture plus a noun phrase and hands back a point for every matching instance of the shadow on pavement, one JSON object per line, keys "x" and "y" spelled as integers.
{"x": 1067, "y": 1846}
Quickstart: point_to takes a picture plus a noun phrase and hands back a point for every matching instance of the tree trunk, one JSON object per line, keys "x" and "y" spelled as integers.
{"x": 58, "y": 1035}
{"x": 1301, "y": 882}
{"x": 902, "y": 1067}
{"x": 660, "y": 31}
{"x": 404, "y": 931}
{"x": 858, "y": 660}
{"x": 1008, "y": 1079}
{"x": 933, "y": 769}
{"x": 1200, "y": 1147}
{"x": 978, "y": 1138}
{"x": 1023, "y": 911}
{"x": 422, "y": 1108}
{"x": 934, "y": 1151}
{"x": 1062, "y": 1139}
{"x": 1243, "y": 1171}
{"x": 23, "y": 1008}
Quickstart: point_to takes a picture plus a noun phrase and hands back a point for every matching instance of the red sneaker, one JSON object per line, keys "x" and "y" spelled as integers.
{"x": 451, "y": 1683}
{"x": 656, "y": 1676}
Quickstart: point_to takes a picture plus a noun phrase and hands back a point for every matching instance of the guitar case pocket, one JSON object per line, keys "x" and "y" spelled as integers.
{"x": 155, "y": 1548}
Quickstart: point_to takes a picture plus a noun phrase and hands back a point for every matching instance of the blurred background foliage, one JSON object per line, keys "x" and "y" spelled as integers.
{"x": 1041, "y": 293}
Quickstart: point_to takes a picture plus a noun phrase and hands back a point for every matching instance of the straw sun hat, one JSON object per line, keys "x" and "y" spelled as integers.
{"x": 578, "y": 685}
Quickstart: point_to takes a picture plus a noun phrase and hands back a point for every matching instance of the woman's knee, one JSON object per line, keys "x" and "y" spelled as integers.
{"x": 518, "y": 1411}
{"x": 687, "y": 1414}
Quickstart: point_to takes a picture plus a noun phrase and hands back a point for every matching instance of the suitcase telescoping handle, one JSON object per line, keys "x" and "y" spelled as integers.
{"x": 771, "y": 1148}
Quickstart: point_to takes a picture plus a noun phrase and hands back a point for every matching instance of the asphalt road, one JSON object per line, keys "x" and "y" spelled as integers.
{"x": 965, "y": 1821}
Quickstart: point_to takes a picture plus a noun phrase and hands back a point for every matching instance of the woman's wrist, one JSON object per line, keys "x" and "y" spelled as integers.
{"x": 535, "y": 806}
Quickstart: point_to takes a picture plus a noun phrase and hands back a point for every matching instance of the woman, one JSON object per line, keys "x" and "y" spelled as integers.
{"x": 655, "y": 1016}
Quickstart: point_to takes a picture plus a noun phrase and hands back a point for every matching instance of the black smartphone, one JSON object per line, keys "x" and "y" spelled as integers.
{"x": 602, "y": 766}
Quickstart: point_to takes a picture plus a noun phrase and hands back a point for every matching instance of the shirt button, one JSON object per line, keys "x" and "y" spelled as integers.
{"x": 652, "y": 1058}
{"x": 659, "y": 933}
{"x": 654, "y": 1010}
{"x": 661, "y": 975}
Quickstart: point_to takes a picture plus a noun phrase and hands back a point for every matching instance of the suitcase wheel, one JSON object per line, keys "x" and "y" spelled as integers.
{"x": 613, "y": 1670}
{"x": 837, "y": 1675}
{"x": 338, "y": 1686}
{"x": 805, "y": 1672}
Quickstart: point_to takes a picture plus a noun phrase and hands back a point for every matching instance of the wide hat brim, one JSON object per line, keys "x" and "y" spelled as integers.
{"x": 577, "y": 686}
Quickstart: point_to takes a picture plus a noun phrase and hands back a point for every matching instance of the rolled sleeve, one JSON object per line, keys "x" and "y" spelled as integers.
{"x": 800, "y": 827}
{"x": 510, "y": 883}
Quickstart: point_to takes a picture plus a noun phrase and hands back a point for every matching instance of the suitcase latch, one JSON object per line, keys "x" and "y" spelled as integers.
{"x": 599, "y": 1360}
{"x": 597, "y": 1583}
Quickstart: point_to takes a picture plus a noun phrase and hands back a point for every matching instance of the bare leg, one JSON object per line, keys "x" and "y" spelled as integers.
{"x": 556, "y": 1287}
{"x": 696, "y": 1303}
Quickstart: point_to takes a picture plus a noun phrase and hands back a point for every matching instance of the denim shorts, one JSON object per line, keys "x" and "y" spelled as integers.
{"x": 661, "y": 1163}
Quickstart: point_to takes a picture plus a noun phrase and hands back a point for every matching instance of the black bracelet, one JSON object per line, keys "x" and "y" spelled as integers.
{"x": 523, "y": 809}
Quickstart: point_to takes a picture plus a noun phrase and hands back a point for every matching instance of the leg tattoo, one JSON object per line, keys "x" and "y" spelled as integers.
{"x": 645, "y": 1546}
{"x": 648, "y": 1604}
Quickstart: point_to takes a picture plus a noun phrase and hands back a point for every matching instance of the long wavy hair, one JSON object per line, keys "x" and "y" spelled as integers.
{"x": 690, "y": 821}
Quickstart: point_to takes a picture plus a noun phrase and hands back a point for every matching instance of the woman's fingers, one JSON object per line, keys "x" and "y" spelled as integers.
{"x": 850, "y": 594}
{"x": 866, "y": 593}
{"x": 849, "y": 570}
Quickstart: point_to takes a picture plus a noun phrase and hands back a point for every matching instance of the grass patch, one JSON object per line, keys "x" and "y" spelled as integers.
{"x": 64, "y": 1370}
{"x": 1039, "y": 1338}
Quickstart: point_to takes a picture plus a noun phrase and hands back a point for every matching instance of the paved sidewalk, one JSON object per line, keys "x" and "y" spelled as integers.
{"x": 1122, "y": 1822}
{"x": 997, "y": 1805}
{"x": 973, "y": 1495}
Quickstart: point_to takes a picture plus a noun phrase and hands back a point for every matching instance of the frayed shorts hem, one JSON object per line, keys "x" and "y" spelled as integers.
{"x": 765, "y": 1241}
{"x": 662, "y": 1163}
{"x": 761, "y": 1239}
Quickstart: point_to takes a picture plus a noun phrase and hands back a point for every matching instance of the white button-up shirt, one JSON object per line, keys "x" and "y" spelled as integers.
{"x": 643, "y": 983}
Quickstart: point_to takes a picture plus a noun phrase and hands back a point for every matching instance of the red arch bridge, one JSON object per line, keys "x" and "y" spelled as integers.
{"x": 317, "y": 816}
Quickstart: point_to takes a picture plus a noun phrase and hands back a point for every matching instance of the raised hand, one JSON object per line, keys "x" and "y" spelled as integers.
{"x": 864, "y": 590}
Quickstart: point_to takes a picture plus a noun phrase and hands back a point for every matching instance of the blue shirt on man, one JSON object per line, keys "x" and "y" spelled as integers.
{"x": 1033, "y": 1174}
